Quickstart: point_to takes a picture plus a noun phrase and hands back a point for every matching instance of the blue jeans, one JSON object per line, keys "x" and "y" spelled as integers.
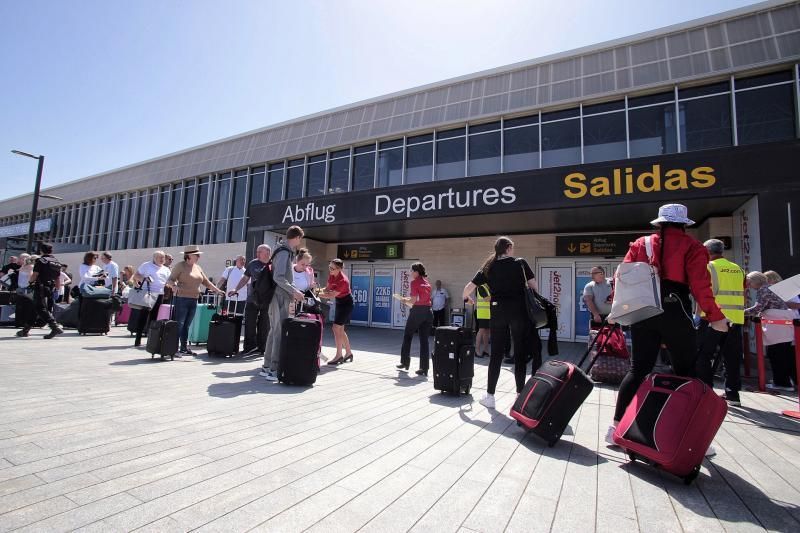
{"x": 184, "y": 313}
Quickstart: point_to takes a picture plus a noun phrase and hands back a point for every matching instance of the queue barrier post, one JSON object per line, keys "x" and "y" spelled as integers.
{"x": 762, "y": 375}
{"x": 796, "y": 323}
{"x": 746, "y": 346}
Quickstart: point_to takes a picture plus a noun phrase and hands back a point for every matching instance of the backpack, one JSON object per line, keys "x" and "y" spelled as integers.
{"x": 264, "y": 285}
{"x": 51, "y": 270}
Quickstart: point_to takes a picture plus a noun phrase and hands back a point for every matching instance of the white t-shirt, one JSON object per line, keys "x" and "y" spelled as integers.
{"x": 234, "y": 275}
{"x": 89, "y": 274}
{"x": 23, "y": 275}
{"x": 64, "y": 280}
{"x": 158, "y": 274}
{"x": 112, "y": 269}
{"x": 439, "y": 299}
{"x": 302, "y": 280}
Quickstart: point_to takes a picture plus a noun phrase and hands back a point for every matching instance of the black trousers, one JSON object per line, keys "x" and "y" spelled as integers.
{"x": 439, "y": 318}
{"x": 256, "y": 327}
{"x": 730, "y": 350}
{"x": 782, "y": 360}
{"x": 419, "y": 321}
{"x": 674, "y": 327}
{"x": 42, "y": 304}
{"x": 509, "y": 316}
{"x": 145, "y": 317}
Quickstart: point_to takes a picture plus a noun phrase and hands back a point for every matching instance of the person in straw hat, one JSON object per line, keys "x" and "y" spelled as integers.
{"x": 185, "y": 280}
{"x": 682, "y": 264}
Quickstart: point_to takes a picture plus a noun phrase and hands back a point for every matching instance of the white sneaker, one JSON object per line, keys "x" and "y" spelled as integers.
{"x": 711, "y": 451}
{"x": 271, "y": 376}
{"x": 263, "y": 372}
{"x": 781, "y": 388}
{"x": 487, "y": 401}
{"x": 610, "y": 435}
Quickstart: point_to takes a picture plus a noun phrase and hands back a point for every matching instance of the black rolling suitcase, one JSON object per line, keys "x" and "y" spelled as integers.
{"x": 299, "y": 351}
{"x": 94, "y": 316}
{"x": 453, "y": 360}
{"x": 553, "y": 395}
{"x": 224, "y": 332}
{"x": 162, "y": 338}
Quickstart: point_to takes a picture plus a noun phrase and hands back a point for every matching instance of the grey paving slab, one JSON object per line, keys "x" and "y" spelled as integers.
{"x": 102, "y": 438}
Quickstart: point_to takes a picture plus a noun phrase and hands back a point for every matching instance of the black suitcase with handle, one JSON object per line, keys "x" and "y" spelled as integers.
{"x": 553, "y": 395}
{"x": 94, "y": 316}
{"x": 162, "y": 339}
{"x": 453, "y": 360}
{"x": 299, "y": 351}
{"x": 224, "y": 332}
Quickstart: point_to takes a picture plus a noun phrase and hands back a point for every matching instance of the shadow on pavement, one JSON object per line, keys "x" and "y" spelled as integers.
{"x": 107, "y": 348}
{"x": 255, "y": 385}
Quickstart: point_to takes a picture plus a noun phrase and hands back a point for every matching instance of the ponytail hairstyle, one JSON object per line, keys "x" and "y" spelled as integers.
{"x": 500, "y": 247}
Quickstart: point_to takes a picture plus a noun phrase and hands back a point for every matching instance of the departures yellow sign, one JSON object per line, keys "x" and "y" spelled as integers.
{"x": 624, "y": 181}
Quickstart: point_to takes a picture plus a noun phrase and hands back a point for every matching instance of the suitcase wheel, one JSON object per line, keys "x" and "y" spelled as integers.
{"x": 632, "y": 457}
{"x": 152, "y": 356}
{"x": 687, "y": 480}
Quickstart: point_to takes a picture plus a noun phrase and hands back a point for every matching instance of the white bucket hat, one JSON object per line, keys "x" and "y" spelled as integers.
{"x": 676, "y": 213}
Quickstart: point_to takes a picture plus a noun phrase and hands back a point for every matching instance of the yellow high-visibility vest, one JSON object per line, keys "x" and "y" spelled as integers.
{"x": 727, "y": 282}
{"x": 483, "y": 303}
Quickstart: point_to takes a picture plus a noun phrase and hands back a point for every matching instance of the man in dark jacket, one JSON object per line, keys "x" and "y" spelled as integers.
{"x": 45, "y": 278}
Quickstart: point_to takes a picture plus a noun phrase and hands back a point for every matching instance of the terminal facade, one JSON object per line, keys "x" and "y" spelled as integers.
{"x": 569, "y": 154}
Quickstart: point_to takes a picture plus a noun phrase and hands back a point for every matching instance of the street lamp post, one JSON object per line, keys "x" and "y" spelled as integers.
{"x": 35, "y": 206}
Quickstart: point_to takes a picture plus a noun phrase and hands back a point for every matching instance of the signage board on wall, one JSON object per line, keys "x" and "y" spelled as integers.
{"x": 747, "y": 248}
{"x": 607, "y": 245}
{"x": 709, "y": 174}
{"x": 556, "y": 284}
{"x": 383, "y": 250}
{"x": 40, "y": 226}
{"x": 402, "y": 286}
{"x": 359, "y": 286}
{"x": 382, "y": 288}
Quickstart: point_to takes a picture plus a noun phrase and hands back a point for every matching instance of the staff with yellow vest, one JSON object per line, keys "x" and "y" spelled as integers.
{"x": 727, "y": 283}
{"x": 483, "y": 316}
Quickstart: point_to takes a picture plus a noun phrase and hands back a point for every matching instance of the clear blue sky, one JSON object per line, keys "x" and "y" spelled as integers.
{"x": 95, "y": 85}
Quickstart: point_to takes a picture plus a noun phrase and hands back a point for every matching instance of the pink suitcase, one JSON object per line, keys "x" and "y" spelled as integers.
{"x": 123, "y": 316}
{"x": 670, "y": 423}
{"x": 164, "y": 311}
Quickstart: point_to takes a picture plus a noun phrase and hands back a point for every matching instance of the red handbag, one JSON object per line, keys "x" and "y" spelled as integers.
{"x": 616, "y": 346}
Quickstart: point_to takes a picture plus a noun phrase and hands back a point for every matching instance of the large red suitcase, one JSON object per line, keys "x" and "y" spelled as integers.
{"x": 670, "y": 423}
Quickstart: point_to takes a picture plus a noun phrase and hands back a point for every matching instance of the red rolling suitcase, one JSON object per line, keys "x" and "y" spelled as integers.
{"x": 553, "y": 395}
{"x": 670, "y": 423}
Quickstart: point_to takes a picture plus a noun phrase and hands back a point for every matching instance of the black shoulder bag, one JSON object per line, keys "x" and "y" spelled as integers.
{"x": 536, "y": 313}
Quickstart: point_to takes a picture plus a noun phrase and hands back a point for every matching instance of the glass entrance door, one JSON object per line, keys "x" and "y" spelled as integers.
{"x": 372, "y": 286}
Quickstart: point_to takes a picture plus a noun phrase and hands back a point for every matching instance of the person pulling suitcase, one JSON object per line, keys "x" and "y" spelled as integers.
{"x": 505, "y": 275}
{"x": 682, "y": 264}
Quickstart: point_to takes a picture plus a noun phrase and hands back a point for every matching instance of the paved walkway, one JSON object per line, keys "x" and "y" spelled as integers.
{"x": 96, "y": 436}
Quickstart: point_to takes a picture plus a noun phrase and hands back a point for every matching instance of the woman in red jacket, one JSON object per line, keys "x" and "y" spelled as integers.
{"x": 682, "y": 265}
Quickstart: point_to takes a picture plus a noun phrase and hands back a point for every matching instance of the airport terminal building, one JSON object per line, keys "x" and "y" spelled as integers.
{"x": 571, "y": 154}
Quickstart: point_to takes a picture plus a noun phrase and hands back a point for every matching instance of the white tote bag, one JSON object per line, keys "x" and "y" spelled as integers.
{"x": 141, "y": 298}
{"x": 637, "y": 291}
